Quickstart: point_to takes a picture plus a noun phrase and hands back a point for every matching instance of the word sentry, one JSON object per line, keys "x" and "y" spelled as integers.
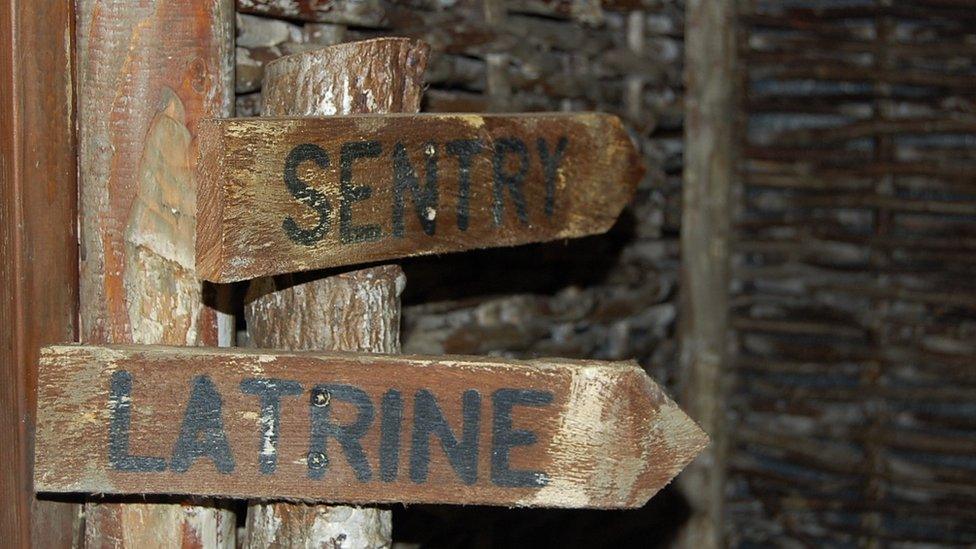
{"x": 279, "y": 195}
{"x": 355, "y": 428}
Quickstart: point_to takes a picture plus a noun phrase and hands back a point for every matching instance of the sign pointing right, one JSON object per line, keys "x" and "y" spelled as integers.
{"x": 355, "y": 427}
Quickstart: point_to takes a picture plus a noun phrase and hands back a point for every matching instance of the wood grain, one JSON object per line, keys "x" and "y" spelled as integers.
{"x": 354, "y": 311}
{"x": 147, "y": 74}
{"x": 546, "y": 432}
{"x": 291, "y": 194}
{"x": 38, "y": 246}
{"x": 705, "y": 237}
{"x": 389, "y": 78}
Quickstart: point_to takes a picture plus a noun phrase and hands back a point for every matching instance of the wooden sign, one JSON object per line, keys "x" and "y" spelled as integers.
{"x": 279, "y": 195}
{"x": 355, "y": 428}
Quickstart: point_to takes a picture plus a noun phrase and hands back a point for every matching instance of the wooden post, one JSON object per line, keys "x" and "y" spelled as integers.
{"x": 147, "y": 73}
{"x": 709, "y": 65}
{"x": 356, "y": 311}
{"x": 38, "y": 246}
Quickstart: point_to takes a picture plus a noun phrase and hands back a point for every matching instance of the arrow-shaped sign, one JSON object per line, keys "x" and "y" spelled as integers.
{"x": 279, "y": 195}
{"x": 355, "y": 428}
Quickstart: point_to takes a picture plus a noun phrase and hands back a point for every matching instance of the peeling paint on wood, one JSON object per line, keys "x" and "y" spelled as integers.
{"x": 356, "y": 427}
{"x": 291, "y": 194}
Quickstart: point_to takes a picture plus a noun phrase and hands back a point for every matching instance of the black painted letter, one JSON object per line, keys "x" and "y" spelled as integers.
{"x": 202, "y": 432}
{"x": 270, "y": 391}
{"x": 306, "y": 195}
{"x": 349, "y": 233}
{"x": 428, "y": 419}
{"x": 392, "y": 414}
{"x": 511, "y": 180}
{"x": 464, "y": 150}
{"x": 504, "y": 438}
{"x": 550, "y": 164}
{"x": 120, "y": 411}
{"x": 347, "y": 435}
{"x": 405, "y": 178}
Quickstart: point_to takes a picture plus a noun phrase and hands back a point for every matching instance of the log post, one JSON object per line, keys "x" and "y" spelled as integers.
{"x": 147, "y": 73}
{"x": 355, "y": 311}
{"x": 706, "y": 217}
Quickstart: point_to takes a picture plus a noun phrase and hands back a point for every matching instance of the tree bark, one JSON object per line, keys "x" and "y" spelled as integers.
{"x": 355, "y": 311}
{"x": 147, "y": 73}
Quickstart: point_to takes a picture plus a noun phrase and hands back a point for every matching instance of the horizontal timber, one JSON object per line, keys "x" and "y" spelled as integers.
{"x": 280, "y": 195}
{"x": 355, "y": 427}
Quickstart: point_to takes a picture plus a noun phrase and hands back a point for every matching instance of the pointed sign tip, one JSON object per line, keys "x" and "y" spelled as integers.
{"x": 669, "y": 440}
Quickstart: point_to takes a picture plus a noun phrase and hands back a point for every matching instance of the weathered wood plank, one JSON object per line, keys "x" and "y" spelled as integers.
{"x": 355, "y": 427}
{"x": 147, "y": 72}
{"x": 38, "y": 246}
{"x": 283, "y": 195}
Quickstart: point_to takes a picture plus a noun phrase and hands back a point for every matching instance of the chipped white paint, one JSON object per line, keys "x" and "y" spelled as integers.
{"x": 582, "y": 431}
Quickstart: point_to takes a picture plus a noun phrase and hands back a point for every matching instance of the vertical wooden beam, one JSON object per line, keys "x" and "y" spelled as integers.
{"x": 708, "y": 176}
{"x": 147, "y": 73}
{"x": 499, "y": 87}
{"x": 355, "y": 311}
{"x": 38, "y": 246}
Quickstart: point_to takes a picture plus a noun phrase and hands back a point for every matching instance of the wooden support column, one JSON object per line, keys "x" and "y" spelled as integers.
{"x": 355, "y": 311}
{"x": 708, "y": 176}
{"x": 38, "y": 247}
{"x": 147, "y": 73}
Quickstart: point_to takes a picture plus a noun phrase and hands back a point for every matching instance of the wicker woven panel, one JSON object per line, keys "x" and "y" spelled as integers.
{"x": 855, "y": 302}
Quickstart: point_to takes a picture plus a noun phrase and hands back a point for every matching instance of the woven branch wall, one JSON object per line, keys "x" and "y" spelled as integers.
{"x": 854, "y": 408}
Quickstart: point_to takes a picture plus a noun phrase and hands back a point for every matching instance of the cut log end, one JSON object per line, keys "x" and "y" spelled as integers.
{"x": 388, "y": 78}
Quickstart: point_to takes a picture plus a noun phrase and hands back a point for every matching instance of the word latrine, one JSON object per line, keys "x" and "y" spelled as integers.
{"x": 355, "y": 427}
